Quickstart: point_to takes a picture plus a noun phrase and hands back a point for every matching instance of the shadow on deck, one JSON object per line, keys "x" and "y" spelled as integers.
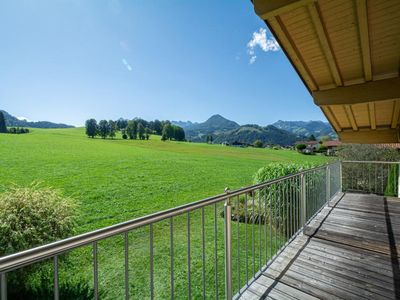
{"x": 348, "y": 251}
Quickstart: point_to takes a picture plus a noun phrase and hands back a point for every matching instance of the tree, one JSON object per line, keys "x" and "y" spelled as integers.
{"x": 104, "y": 128}
{"x": 147, "y": 133}
{"x": 178, "y": 133}
{"x": 312, "y": 138}
{"x": 300, "y": 147}
{"x": 131, "y": 129}
{"x": 165, "y": 132}
{"x": 113, "y": 128}
{"x": 3, "y": 127}
{"x": 140, "y": 131}
{"x": 157, "y": 127}
{"x": 91, "y": 128}
{"x": 325, "y": 138}
{"x": 122, "y": 123}
{"x": 168, "y": 131}
{"x": 258, "y": 144}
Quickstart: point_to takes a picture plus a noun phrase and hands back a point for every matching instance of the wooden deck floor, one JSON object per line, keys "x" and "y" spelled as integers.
{"x": 348, "y": 251}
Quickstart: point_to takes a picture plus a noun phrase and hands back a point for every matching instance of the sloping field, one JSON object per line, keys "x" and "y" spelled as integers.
{"x": 117, "y": 180}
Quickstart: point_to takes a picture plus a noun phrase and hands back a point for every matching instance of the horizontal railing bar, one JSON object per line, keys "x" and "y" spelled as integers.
{"x": 370, "y": 162}
{"x": 23, "y": 258}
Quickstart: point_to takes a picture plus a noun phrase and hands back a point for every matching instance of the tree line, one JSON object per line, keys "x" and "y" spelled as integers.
{"x": 14, "y": 130}
{"x": 136, "y": 128}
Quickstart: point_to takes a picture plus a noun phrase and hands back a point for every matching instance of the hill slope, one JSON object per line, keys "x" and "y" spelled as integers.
{"x": 248, "y": 134}
{"x": 215, "y": 125}
{"x": 12, "y": 121}
{"x": 303, "y": 128}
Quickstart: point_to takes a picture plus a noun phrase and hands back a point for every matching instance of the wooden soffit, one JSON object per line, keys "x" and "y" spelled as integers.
{"x": 347, "y": 52}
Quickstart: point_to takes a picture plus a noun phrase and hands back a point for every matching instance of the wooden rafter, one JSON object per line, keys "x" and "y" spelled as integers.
{"x": 350, "y": 117}
{"x": 372, "y": 117}
{"x": 396, "y": 111}
{"x": 292, "y": 51}
{"x": 268, "y": 9}
{"x": 324, "y": 42}
{"x": 362, "y": 17}
{"x": 370, "y": 136}
{"x": 331, "y": 117}
{"x": 386, "y": 89}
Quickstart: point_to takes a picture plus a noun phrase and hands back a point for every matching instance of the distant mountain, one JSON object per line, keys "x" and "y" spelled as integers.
{"x": 12, "y": 121}
{"x": 248, "y": 134}
{"x": 215, "y": 125}
{"x": 302, "y": 128}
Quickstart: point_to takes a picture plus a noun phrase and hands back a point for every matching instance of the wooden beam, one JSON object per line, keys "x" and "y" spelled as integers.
{"x": 331, "y": 118}
{"x": 266, "y": 9}
{"x": 370, "y": 136}
{"x": 362, "y": 17}
{"x": 350, "y": 117}
{"x": 290, "y": 47}
{"x": 324, "y": 42}
{"x": 372, "y": 118}
{"x": 386, "y": 89}
{"x": 396, "y": 111}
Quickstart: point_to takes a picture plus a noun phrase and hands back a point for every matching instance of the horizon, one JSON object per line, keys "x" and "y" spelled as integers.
{"x": 176, "y": 121}
{"x": 154, "y": 61}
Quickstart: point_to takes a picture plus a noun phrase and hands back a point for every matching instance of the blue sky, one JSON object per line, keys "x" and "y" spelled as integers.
{"x": 69, "y": 60}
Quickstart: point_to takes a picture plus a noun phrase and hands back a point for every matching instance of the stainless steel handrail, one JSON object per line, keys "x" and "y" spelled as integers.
{"x": 370, "y": 162}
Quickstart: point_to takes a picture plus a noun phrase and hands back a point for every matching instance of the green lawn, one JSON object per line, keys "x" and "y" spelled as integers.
{"x": 117, "y": 180}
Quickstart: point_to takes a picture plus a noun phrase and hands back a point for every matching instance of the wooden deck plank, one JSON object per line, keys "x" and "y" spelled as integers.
{"x": 346, "y": 252}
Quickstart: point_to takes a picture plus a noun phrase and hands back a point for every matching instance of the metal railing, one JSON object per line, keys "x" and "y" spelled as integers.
{"x": 202, "y": 259}
{"x": 373, "y": 177}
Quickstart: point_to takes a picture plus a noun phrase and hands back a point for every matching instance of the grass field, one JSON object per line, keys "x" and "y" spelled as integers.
{"x": 117, "y": 180}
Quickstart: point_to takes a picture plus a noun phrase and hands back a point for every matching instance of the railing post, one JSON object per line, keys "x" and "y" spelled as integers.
{"x": 303, "y": 199}
{"x": 228, "y": 249}
{"x": 340, "y": 176}
{"x": 398, "y": 181}
{"x": 328, "y": 183}
{"x": 3, "y": 286}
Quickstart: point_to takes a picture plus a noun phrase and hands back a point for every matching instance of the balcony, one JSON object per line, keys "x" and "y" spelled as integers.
{"x": 328, "y": 232}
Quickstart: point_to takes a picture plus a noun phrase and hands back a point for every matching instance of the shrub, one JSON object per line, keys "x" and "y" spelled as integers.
{"x": 32, "y": 216}
{"x": 124, "y": 136}
{"x": 300, "y": 147}
{"x": 271, "y": 196}
{"x": 258, "y": 144}
{"x": 276, "y": 170}
{"x": 322, "y": 148}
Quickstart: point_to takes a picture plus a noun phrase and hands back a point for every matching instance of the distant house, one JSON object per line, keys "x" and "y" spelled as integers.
{"x": 331, "y": 146}
{"x": 311, "y": 146}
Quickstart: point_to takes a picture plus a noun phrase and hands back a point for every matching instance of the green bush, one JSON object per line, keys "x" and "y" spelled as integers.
{"x": 273, "y": 198}
{"x": 32, "y": 216}
{"x": 300, "y": 147}
{"x": 276, "y": 170}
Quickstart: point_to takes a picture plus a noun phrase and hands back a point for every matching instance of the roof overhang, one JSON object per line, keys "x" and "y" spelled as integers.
{"x": 347, "y": 52}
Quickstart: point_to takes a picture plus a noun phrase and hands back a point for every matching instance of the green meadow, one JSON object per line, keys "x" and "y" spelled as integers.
{"x": 118, "y": 180}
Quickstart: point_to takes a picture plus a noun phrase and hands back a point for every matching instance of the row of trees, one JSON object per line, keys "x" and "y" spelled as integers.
{"x": 134, "y": 129}
{"x": 172, "y": 132}
{"x": 17, "y": 130}
{"x": 13, "y": 130}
